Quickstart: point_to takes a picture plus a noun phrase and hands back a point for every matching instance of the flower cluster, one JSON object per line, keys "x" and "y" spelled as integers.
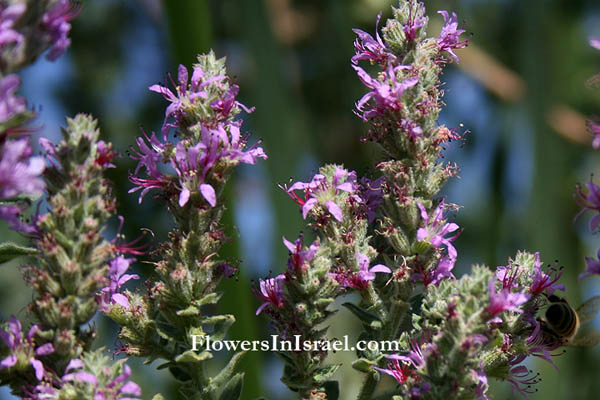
{"x": 29, "y": 28}
{"x": 90, "y": 377}
{"x": 23, "y": 350}
{"x": 202, "y": 111}
{"x": 453, "y": 348}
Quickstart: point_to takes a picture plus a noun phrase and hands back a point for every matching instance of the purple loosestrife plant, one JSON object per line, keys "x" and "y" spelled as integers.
{"x": 162, "y": 321}
{"x": 338, "y": 207}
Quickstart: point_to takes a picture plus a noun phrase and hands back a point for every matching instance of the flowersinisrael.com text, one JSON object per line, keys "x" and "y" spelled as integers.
{"x": 275, "y": 343}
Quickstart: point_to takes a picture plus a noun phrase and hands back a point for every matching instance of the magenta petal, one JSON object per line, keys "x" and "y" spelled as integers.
{"x": 38, "y": 367}
{"x": 595, "y": 42}
{"x": 131, "y": 388}
{"x": 380, "y": 268}
{"x": 209, "y": 193}
{"x": 44, "y": 350}
{"x": 15, "y": 327}
{"x": 335, "y": 210}
{"x": 120, "y": 299}
{"x": 290, "y": 246}
{"x": 308, "y": 206}
{"x": 262, "y": 306}
{"x": 184, "y": 196}
{"x": 398, "y": 357}
{"x": 346, "y": 187}
{"x": 81, "y": 376}
{"x": 8, "y": 361}
{"x": 74, "y": 364}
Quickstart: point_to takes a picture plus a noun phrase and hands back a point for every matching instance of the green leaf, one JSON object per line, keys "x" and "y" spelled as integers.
{"x": 191, "y": 310}
{"x": 233, "y": 389}
{"x": 322, "y": 374}
{"x": 367, "y": 318}
{"x": 332, "y": 389}
{"x": 362, "y": 365}
{"x": 192, "y": 356}
{"x": 227, "y": 372}
{"x": 211, "y": 298}
{"x": 9, "y": 251}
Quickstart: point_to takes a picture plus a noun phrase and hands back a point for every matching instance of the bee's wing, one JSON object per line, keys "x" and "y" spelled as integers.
{"x": 588, "y": 339}
{"x": 588, "y": 310}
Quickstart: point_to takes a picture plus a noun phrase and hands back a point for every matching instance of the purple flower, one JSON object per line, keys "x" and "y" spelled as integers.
{"x": 20, "y": 174}
{"x": 436, "y": 228}
{"x": 589, "y": 201}
{"x": 370, "y": 49}
{"x": 118, "y": 388}
{"x": 520, "y": 376}
{"x": 111, "y": 295}
{"x": 23, "y": 348}
{"x": 507, "y": 275}
{"x": 482, "y": 383}
{"x": 415, "y": 355}
{"x": 592, "y": 266}
{"x": 416, "y": 20}
{"x": 271, "y": 292}
{"x": 193, "y": 162}
{"x": 386, "y": 92}
{"x": 433, "y": 276}
{"x": 10, "y": 105}
{"x": 595, "y": 42}
{"x": 224, "y": 105}
{"x": 185, "y": 95}
{"x": 321, "y": 192}
{"x": 371, "y": 194}
{"x": 449, "y": 38}
{"x": 149, "y": 154}
{"x": 397, "y": 370}
{"x": 359, "y": 280}
{"x": 504, "y": 300}
{"x": 56, "y": 23}
{"x": 300, "y": 257}
{"x": 8, "y": 16}
{"x": 542, "y": 281}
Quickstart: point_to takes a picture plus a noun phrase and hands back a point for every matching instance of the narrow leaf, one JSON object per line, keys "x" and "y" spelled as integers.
{"x": 227, "y": 372}
{"x": 9, "y": 251}
{"x": 233, "y": 389}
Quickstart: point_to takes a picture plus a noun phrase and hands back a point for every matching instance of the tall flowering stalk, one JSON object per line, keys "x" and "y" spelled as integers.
{"x": 71, "y": 264}
{"x": 164, "y": 321}
{"x": 402, "y": 108}
{"x": 338, "y": 207}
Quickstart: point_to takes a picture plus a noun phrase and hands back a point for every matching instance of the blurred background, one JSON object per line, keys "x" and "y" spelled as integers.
{"x": 520, "y": 92}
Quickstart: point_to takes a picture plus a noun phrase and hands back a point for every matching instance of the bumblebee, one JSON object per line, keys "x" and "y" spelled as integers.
{"x": 561, "y": 322}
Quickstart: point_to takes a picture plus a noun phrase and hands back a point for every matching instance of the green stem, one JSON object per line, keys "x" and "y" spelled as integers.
{"x": 368, "y": 388}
